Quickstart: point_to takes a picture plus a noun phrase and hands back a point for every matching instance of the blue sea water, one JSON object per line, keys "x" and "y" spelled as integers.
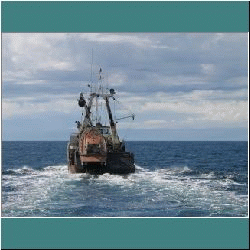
{"x": 172, "y": 179}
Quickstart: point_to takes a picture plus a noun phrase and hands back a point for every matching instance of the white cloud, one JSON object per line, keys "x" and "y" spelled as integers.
{"x": 213, "y": 41}
{"x": 224, "y": 111}
{"x": 117, "y": 38}
{"x": 8, "y": 109}
{"x": 22, "y": 106}
{"x": 117, "y": 79}
{"x": 208, "y": 69}
{"x": 167, "y": 79}
{"x": 27, "y": 53}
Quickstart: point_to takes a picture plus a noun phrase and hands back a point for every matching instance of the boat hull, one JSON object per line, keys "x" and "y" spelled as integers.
{"x": 116, "y": 163}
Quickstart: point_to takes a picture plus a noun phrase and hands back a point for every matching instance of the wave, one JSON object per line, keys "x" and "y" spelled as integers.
{"x": 162, "y": 175}
{"x": 175, "y": 186}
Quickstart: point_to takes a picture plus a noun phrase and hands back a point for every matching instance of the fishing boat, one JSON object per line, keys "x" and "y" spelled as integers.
{"x": 96, "y": 147}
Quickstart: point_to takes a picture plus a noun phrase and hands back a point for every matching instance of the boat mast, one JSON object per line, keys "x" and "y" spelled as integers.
{"x": 98, "y": 93}
{"x": 115, "y": 137}
{"x": 91, "y": 76}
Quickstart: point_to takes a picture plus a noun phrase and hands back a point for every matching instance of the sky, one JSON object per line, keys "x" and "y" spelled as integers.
{"x": 180, "y": 86}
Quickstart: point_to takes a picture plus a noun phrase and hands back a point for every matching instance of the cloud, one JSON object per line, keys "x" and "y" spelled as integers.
{"x": 208, "y": 69}
{"x": 232, "y": 111}
{"x": 168, "y": 79}
{"x": 28, "y": 106}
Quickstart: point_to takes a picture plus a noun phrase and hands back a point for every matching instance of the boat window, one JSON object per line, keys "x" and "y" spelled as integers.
{"x": 93, "y": 148}
{"x": 105, "y": 131}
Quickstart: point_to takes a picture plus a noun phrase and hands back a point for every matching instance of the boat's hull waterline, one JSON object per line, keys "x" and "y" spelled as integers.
{"x": 117, "y": 163}
{"x": 97, "y": 149}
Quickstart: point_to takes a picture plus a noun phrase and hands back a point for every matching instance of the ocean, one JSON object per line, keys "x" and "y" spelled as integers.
{"x": 172, "y": 179}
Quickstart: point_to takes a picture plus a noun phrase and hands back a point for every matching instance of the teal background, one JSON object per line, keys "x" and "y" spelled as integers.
{"x": 67, "y": 233}
{"x": 125, "y": 233}
{"x": 124, "y": 16}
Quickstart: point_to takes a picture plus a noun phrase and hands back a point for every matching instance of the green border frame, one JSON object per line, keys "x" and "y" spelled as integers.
{"x": 140, "y": 233}
{"x": 123, "y": 16}
{"x": 126, "y": 233}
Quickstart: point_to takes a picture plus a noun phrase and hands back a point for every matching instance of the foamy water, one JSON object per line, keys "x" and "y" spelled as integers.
{"x": 164, "y": 192}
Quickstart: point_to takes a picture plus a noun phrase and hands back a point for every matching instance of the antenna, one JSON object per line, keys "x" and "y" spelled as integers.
{"x": 107, "y": 84}
{"x": 91, "y": 77}
{"x": 98, "y": 88}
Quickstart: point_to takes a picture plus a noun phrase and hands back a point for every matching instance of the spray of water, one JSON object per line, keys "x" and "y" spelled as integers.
{"x": 28, "y": 191}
